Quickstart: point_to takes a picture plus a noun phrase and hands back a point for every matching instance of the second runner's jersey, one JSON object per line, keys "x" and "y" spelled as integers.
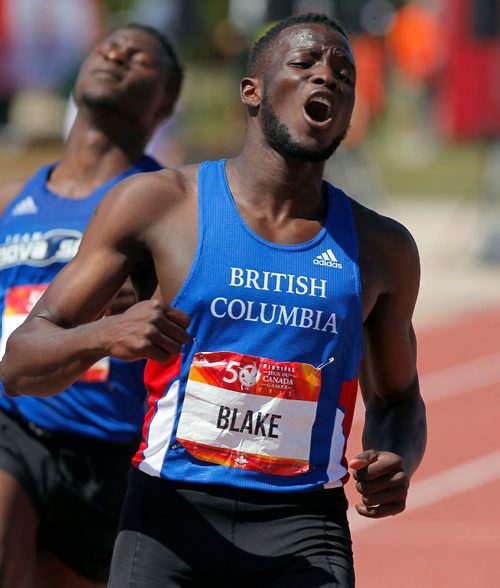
{"x": 263, "y": 395}
{"x": 39, "y": 233}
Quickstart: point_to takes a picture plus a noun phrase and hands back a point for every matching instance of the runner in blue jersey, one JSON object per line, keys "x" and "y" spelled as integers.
{"x": 277, "y": 293}
{"x": 64, "y": 460}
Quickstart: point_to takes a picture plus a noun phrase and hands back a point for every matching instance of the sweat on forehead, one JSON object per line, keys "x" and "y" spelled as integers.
{"x": 262, "y": 45}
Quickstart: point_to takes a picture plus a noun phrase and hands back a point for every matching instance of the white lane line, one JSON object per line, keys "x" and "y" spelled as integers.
{"x": 464, "y": 377}
{"x": 452, "y": 482}
{"x": 454, "y": 380}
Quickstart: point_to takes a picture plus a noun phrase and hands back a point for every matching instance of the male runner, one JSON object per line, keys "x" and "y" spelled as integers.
{"x": 64, "y": 460}
{"x": 276, "y": 292}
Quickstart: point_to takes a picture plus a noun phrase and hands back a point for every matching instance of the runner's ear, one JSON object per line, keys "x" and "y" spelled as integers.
{"x": 251, "y": 92}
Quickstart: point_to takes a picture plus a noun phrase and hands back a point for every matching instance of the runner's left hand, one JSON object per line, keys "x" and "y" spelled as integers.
{"x": 382, "y": 483}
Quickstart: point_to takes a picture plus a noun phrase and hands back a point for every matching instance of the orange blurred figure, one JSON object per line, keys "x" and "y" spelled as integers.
{"x": 415, "y": 41}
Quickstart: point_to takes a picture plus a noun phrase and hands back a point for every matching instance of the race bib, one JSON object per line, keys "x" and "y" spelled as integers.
{"x": 250, "y": 412}
{"x": 19, "y": 301}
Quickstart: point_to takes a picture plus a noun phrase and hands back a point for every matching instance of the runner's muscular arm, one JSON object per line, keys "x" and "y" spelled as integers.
{"x": 61, "y": 337}
{"x": 394, "y": 435}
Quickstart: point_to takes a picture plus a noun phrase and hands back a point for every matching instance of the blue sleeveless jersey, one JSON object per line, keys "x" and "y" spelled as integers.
{"x": 39, "y": 233}
{"x": 263, "y": 396}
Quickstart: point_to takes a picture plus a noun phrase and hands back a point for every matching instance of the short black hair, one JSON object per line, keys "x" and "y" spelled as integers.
{"x": 175, "y": 67}
{"x": 309, "y": 17}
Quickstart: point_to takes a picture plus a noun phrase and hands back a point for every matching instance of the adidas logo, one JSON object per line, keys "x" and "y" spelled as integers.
{"x": 26, "y": 206}
{"x": 328, "y": 259}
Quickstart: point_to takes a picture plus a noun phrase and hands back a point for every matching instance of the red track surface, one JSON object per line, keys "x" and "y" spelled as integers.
{"x": 449, "y": 536}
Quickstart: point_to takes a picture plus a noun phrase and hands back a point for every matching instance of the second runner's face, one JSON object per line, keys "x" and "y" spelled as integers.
{"x": 126, "y": 71}
{"x": 308, "y": 97}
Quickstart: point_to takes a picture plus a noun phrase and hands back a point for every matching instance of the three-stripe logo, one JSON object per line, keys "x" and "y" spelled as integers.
{"x": 328, "y": 259}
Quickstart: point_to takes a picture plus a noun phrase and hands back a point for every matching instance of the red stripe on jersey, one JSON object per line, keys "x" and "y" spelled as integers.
{"x": 157, "y": 378}
{"x": 347, "y": 402}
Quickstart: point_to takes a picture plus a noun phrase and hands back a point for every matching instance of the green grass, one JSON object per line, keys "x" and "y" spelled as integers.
{"x": 445, "y": 169}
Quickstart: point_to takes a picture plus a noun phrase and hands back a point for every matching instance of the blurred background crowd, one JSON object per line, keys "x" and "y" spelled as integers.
{"x": 427, "y": 117}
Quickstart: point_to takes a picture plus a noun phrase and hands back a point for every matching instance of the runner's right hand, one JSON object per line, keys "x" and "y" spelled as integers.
{"x": 149, "y": 329}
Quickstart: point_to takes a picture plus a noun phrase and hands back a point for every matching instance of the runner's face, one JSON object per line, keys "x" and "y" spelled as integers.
{"x": 308, "y": 92}
{"x": 126, "y": 72}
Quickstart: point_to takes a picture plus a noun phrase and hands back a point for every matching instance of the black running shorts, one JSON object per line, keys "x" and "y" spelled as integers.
{"x": 77, "y": 486}
{"x": 204, "y": 535}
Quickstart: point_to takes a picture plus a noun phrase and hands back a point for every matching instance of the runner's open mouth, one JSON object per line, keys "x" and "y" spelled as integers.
{"x": 318, "y": 111}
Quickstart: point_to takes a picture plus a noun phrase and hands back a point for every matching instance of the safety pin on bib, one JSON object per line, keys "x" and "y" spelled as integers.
{"x": 324, "y": 364}
{"x": 198, "y": 350}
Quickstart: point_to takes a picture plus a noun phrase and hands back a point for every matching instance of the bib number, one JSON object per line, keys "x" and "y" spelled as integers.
{"x": 250, "y": 412}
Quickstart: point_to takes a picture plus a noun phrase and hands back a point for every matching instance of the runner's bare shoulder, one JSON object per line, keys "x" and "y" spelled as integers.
{"x": 8, "y": 191}
{"x": 388, "y": 254}
{"x": 147, "y": 199}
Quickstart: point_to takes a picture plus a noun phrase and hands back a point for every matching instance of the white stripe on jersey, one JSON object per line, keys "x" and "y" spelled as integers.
{"x": 160, "y": 431}
{"x": 336, "y": 471}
